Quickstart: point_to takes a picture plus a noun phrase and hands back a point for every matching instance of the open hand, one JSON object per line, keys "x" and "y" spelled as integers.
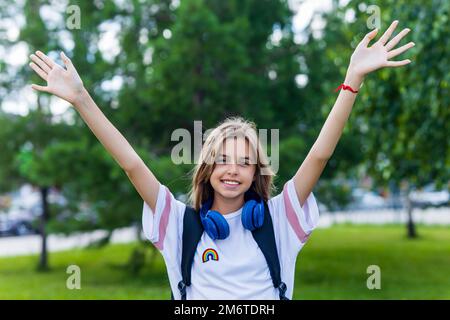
{"x": 367, "y": 59}
{"x": 62, "y": 82}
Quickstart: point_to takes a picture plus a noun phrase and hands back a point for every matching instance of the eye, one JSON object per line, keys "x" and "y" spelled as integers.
{"x": 221, "y": 160}
{"x": 244, "y": 163}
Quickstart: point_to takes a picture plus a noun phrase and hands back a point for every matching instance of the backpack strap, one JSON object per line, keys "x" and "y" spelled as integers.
{"x": 265, "y": 238}
{"x": 192, "y": 232}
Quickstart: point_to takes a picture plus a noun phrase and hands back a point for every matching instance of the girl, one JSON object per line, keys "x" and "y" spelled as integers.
{"x": 232, "y": 182}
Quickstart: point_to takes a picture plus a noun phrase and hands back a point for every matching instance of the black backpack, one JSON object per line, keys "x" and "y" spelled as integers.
{"x": 264, "y": 237}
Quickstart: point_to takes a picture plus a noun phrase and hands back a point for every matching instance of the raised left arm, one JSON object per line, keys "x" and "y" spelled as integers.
{"x": 363, "y": 61}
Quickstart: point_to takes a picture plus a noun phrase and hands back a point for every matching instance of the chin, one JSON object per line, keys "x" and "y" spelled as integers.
{"x": 231, "y": 193}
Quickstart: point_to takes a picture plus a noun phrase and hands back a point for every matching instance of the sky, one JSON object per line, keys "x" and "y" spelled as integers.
{"x": 19, "y": 103}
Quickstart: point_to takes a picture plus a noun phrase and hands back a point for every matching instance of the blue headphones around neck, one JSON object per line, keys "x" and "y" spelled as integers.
{"x": 216, "y": 226}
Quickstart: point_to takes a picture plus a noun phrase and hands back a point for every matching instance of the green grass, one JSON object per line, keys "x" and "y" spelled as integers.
{"x": 332, "y": 265}
{"x": 334, "y": 262}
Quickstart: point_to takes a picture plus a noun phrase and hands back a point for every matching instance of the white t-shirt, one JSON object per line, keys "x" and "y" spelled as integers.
{"x": 235, "y": 267}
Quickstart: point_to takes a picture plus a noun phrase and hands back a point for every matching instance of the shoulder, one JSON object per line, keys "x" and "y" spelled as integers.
{"x": 286, "y": 210}
{"x": 165, "y": 220}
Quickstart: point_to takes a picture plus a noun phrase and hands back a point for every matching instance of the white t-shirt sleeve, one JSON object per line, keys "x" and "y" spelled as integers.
{"x": 293, "y": 223}
{"x": 164, "y": 227}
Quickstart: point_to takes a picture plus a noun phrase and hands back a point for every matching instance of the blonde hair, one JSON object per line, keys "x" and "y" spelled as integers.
{"x": 233, "y": 127}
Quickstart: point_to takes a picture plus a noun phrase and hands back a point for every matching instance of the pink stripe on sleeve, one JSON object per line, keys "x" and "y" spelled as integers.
{"x": 164, "y": 221}
{"x": 292, "y": 217}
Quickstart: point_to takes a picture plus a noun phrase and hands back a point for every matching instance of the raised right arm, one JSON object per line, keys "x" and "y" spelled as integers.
{"x": 67, "y": 84}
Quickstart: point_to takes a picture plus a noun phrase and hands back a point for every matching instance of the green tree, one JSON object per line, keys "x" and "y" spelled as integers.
{"x": 38, "y": 141}
{"x": 213, "y": 60}
{"x": 402, "y": 120}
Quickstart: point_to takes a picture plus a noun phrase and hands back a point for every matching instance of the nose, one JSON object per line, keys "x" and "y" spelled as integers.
{"x": 232, "y": 168}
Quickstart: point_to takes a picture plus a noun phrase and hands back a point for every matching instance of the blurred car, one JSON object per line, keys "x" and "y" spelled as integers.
{"x": 363, "y": 199}
{"x": 429, "y": 197}
{"x": 24, "y": 208}
{"x": 15, "y": 226}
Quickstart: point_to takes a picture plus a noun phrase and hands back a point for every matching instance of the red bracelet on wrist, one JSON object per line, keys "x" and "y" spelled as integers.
{"x": 345, "y": 87}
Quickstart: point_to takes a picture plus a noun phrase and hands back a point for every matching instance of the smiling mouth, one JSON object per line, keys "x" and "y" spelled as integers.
{"x": 231, "y": 183}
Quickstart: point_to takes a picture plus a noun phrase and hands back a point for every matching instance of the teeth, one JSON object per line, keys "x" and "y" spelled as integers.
{"x": 230, "y": 182}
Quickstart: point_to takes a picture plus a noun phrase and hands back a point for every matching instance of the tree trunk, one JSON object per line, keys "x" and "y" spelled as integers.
{"x": 43, "y": 260}
{"x": 139, "y": 237}
{"x": 411, "y": 228}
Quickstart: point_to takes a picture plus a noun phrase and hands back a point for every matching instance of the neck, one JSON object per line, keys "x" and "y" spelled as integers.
{"x": 227, "y": 205}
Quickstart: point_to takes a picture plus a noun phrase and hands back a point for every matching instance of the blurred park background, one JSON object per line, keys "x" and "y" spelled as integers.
{"x": 154, "y": 66}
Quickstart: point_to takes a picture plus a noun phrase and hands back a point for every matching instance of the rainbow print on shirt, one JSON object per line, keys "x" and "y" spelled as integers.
{"x": 210, "y": 254}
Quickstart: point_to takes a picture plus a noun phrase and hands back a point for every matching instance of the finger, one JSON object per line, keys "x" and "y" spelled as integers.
{"x": 39, "y": 88}
{"x": 40, "y": 63}
{"x": 369, "y": 36}
{"x": 391, "y": 44}
{"x": 66, "y": 61}
{"x": 38, "y": 70}
{"x": 397, "y": 63}
{"x": 46, "y": 59}
{"x": 385, "y": 37}
{"x": 396, "y": 52}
